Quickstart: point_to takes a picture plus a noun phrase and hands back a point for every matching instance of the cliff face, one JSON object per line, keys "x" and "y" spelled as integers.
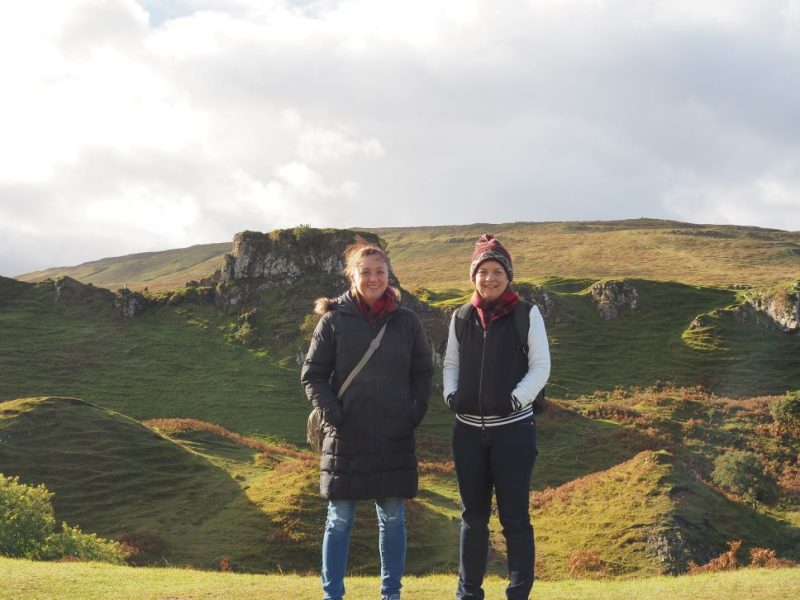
{"x": 781, "y": 305}
{"x": 611, "y": 297}
{"x": 263, "y": 261}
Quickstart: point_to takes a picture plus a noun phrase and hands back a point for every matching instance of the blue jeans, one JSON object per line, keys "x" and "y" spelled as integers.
{"x": 392, "y": 545}
{"x": 498, "y": 459}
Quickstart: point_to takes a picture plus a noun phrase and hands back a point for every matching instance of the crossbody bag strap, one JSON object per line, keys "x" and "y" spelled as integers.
{"x": 373, "y": 345}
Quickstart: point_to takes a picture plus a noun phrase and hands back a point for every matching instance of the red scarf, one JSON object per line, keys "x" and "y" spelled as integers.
{"x": 384, "y": 306}
{"x": 491, "y": 311}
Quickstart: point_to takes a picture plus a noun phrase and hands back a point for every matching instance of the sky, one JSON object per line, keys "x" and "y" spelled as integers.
{"x": 131, "y": 126}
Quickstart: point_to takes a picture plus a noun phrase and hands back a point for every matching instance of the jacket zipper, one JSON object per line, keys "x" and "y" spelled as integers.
{"x": 378, "y": 428}
{"x": 480, "y": 379}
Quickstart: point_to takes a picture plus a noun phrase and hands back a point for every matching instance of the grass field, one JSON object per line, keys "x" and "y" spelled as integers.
{"x": 156, "y": 271}
{"x": 653, "y": 249}
{"x": 211, "y": 493}
{"x": 438, "y": 257}
{"x": 622, "y": 470}
{"x": 26, "y": 580}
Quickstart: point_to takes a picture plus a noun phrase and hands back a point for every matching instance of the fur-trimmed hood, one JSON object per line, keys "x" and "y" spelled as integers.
{"x": 324, "y": 305}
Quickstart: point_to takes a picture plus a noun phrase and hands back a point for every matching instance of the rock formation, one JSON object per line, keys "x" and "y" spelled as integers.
{"x": 781, "y": 305}
{"x": 260, "y": 261}
{"x": 130, "y": 304}
{"x": 538, "y": 296}
{"x": 71, "y": 291}
{"x": 611, "y": 297}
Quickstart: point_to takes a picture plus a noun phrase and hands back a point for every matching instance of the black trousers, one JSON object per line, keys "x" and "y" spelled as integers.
{"x": 500, "y": 459}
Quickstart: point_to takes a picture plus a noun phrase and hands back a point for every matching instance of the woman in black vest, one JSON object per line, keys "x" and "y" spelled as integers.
{"x": 491, "y": 378}
{"x": 368, "y": 449}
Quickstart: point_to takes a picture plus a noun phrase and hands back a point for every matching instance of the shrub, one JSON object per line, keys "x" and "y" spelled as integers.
{"x": 724, "y": 562}
{"x": 27, "y": 524}
{"x": 72, "y": 542}
{"x": 586, "y": 563}
{"x": 225, "y": 564}
{"x": 26, "y": 518}
{"x": 742, "y": 473}
{"x": 786, "y": 409}
{"x": 767, "y": 558}
{"x": 143, "y": 546}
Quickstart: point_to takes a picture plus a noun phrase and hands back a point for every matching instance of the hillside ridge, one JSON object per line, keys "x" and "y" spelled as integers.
{"x": 433, "y": 256}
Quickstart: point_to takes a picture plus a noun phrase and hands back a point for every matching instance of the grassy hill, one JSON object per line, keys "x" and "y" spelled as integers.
{"x": 117, "y": 477}
{"x": 27, "y": 580}
{"x": 208, "y": 493}
{"x": 438, "y": 257}
{"x": 212, "y": 493}
{"x": 172, "y": 362}
{"x": 625, "y": 459}
{"x": 157, "y": 271}
{"x": 708, "y": 255}
{"x": 188, "y": 360}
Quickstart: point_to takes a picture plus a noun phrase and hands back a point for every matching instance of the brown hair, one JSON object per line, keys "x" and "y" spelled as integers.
{"x": 354, "y": 253}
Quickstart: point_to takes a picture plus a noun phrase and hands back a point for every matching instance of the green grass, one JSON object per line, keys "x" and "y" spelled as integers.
{"x": 170, "y": 362}
{"x": 208, "y": 492}
{"x": 156, "y": 271}
{"x": 112, "y": 475}
{"x": 437, "y": 257}
{"x": 632, "y": 513}
{"x": 27, "y": 580}
{"x": 264, "y": 512}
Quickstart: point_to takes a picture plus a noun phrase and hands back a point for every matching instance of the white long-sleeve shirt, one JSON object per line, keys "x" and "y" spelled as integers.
{"x": 528, "y": 387}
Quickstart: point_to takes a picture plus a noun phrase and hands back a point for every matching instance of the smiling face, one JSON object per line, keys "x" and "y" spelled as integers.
{"x": 491, "y": 280}
{"x": 371, "y": 278}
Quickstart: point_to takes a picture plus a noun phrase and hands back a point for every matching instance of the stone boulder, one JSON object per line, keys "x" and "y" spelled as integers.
{"x": 612, "y": 297}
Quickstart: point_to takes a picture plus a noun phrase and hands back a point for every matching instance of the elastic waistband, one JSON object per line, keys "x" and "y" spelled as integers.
{"x": 526, "y": 414}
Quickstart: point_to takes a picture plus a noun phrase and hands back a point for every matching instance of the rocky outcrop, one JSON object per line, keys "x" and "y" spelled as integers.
{"x": 670, "y": 548}
{"x": 612, "y": 297}
{"x": 71, "y": 291}
{"x": 260, "y": 261}
{"x": 781, "y": 305}
{"x": 130, "y": 304}
{"x": 538, "y": 296}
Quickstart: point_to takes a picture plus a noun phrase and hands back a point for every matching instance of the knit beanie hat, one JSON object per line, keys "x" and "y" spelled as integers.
{"x": 489, "y": 248}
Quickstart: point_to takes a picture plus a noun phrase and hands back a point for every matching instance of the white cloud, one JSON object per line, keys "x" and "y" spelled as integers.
{"x": 138, "y": 126}
{"x": 767, "y": 201}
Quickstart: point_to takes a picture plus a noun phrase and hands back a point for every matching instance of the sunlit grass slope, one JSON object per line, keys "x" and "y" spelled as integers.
{"x": 655, "y": 343}
{"x": 284, "y": 485}
{"x": 27, "y": 580}
{"x": 183, "y": 361}
{"x": 114, "y": 476}
{"x": 208, "y": 492}
{"x": 438, "y": 257}
{"x": 165, "y": 270}
{"x": 635, "y": 514}
{"x": 170, "y": 362}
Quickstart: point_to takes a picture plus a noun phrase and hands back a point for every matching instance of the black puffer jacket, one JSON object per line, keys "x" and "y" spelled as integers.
{"x": 368, "y": 450}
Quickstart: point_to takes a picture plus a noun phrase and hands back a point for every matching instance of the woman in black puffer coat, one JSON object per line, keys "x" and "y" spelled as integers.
{"x": 368, "y": 449}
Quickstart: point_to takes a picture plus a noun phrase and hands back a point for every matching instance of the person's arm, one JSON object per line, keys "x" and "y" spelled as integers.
{"x": 538, "y": 362}
{"x": 421, "y": 372}
{"x": 317, "y": 368}
{"x": 450, "y": 364}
